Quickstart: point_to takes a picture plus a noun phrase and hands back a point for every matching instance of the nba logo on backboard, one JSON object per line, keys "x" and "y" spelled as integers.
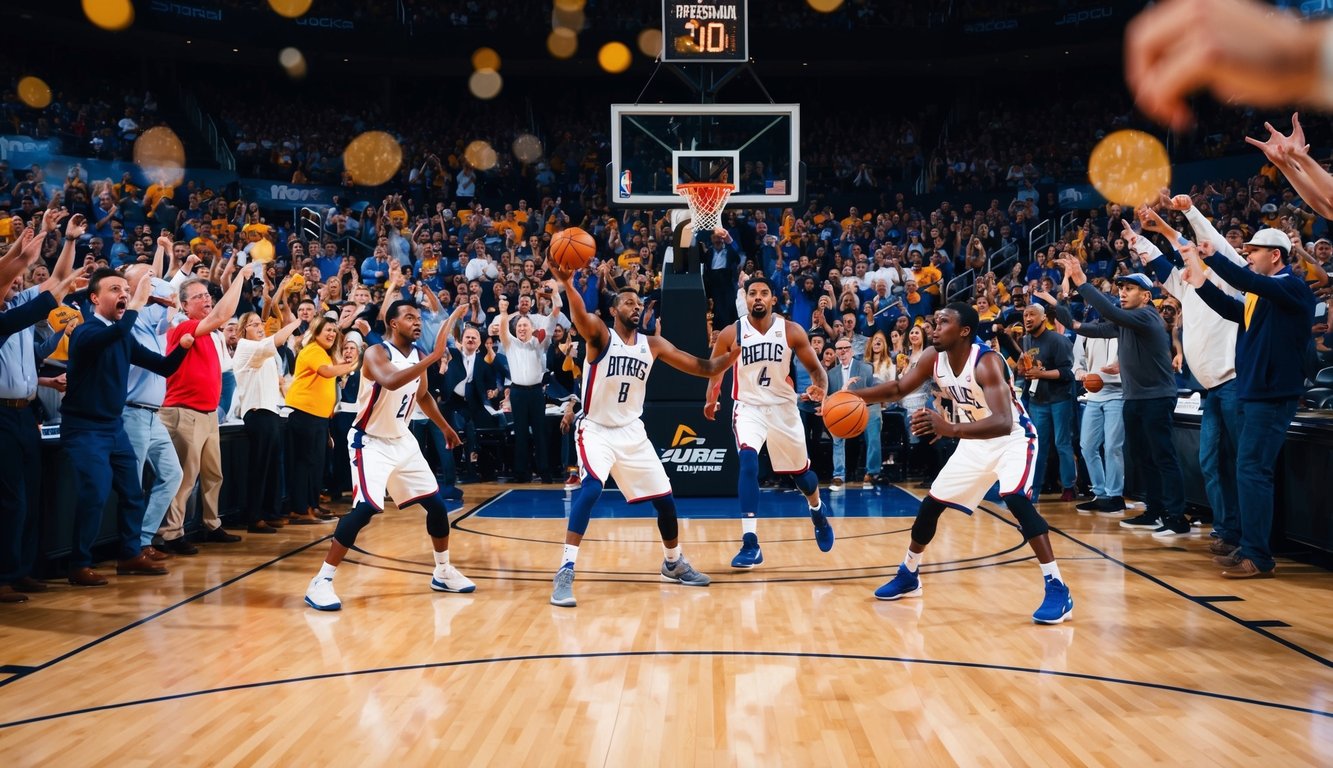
{"x": 626, "y": 183}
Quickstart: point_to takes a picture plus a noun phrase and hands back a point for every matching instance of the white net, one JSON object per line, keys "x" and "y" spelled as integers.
{"x": 706, "y": 201}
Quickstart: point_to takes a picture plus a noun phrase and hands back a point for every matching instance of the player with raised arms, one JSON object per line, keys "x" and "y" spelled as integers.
{"x": 997, "y": 442}
{"x": 386, "y": 457}
{"x": 765, "y": 410}
{"x": 610, "y": 436}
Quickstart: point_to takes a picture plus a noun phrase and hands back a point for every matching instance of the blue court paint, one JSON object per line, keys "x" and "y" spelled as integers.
{"x": 854, "y": 502}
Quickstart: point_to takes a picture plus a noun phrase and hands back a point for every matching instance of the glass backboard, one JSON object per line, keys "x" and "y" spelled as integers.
{"x": 754, "y": 147}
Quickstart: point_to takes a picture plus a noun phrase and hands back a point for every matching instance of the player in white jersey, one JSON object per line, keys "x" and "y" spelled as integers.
{"x": 765, "y": 410}
{"x": 997, "y": 442}
{"x": 386, "y": 458}
{"x": 610, "y": 436}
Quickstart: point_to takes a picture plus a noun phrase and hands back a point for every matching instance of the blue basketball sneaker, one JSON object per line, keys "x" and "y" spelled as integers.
{"x": 1057, "y": 606}
{"x": 905, "y": 584}
{"x": 750, "y": 554}
{"x": 823, "y": 531}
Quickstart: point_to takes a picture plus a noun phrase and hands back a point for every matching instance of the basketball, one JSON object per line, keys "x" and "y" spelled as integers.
{"x": 1093, "y": 383}
{"x": 845, "y": 415}
{"x": 572, "y": 248}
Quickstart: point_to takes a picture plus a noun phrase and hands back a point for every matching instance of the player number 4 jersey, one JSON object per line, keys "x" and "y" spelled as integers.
{"x": 964, "y": 400}
{"x": 761, "y": 376}
{"x": 384, "y": 413}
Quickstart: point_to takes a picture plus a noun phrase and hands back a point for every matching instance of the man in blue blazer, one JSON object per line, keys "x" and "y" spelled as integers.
{"x": 850, "y": 373}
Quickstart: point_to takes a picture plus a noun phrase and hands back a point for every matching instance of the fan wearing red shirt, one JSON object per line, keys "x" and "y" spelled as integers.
{"x": 189, "y": 411}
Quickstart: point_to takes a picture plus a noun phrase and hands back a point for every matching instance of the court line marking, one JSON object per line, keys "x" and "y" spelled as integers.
{"x": 651, "y": 580}
{"x": 975, "y": 665}
{"x": 150, "y": 617}
{"x": 1207, "y": 603}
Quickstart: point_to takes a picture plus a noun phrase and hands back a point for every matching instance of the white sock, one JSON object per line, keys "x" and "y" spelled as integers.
{"x": 570, "y": 555}
{"x": 442, "y": 558}
{"x": 326, "y": 571}
{"x": 913, "y": 560}
{"x": 672, "y": 553}
{"x": 750, "y": 524}
{"x": 1051, "y": 569}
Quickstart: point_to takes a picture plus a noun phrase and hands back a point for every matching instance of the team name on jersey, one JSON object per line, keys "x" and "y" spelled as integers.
{"x": 764, "y": 351}
{"x": 626, "y": 366}
{"x": 961, "y": 396}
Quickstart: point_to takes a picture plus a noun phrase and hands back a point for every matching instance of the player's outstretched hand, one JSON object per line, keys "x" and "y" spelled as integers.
{"x": 558, "y": 272}
{"x": 928, "y": 423}
{"x": 814, "y": 393}
{"x": 710, "y": 410}
{"x": 451, "y": 438}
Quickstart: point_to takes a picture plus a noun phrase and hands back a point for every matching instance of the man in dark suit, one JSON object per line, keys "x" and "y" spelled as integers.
{"x": 850, "y": 373}
{"x": 92, "y": 433}
{"x": 469, "y": 383}
{"x": 721, "y": 262}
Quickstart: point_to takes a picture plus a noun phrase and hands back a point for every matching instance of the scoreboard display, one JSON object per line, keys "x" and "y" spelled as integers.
{"x": 704, "y": 32}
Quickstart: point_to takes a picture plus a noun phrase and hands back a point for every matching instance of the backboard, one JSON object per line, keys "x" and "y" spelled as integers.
{"x": 756, "y": 147}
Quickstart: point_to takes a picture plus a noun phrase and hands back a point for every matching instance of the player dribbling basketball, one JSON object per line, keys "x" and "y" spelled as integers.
{"x": 997, "y": 443}
{"x": 765, "y": 410}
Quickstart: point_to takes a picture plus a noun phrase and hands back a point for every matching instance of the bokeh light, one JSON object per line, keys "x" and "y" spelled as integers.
{"x": 562, "y": 43}
{"x": 111, "y": 15}
{"x": 1129, "y": 167}
{"x": 292, "y": 9}
{"x": 372, "y": 158}
{"x": 650, "y": 42}
{"x": 614, "y": 57}
{"x": 293, "y": 61}
{"x": 480, "y": 155}
{"x": 485, "y": 83}
{"x": 485, "y": 58}
{"x": 160, "y": 154}
{"x": 528, "y": 148}
{"x": 34, "y": 92}
{"x": 570, "y": 5}
{"x": 825, "y": 6}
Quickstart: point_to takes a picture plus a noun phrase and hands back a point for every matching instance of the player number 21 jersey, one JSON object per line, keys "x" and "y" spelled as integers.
{"x": 761, "y": 376}
{"x": 384, "y": 413}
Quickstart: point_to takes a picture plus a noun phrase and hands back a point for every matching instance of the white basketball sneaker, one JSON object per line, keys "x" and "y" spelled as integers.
{"x": 448, "y": 579}
{"x": 320, "y": 595}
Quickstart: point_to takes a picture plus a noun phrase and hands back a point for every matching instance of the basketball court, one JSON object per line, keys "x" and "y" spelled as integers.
{"x": 792, "y": 663}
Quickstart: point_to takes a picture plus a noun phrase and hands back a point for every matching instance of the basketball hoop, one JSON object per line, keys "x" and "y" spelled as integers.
{"x": 706, "y": 201}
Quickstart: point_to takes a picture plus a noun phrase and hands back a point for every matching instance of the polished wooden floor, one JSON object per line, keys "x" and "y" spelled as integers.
{"x": 794, "y": 663}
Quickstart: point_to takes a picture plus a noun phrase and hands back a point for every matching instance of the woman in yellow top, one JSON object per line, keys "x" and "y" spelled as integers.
{"x": 311, "y": 397}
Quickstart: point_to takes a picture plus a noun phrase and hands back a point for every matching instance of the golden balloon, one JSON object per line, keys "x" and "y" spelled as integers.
{"x": 161, "y": 155}
{"x": 614, "y": 57}
{"x": 485, "y": 83}
{"x": 262, "y": 251}
{"x": 562, "y": 43}
{"x": 825, "y": 6}
{"x": 111, "y": 15}
{"x": 34, "y": 92}
{"x": 485, "y": 58}
{"x": 1129, "y": 167}
{"x": 650, "y": 42}
{"x": 528, "y": 148}
{"x": 292, "y": 9}
{"x": 372, "y": 158}
{"x": 480, "y": 155}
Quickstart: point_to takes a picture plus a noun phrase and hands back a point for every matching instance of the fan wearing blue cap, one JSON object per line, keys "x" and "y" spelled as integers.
{"x": 1149, "y": 386}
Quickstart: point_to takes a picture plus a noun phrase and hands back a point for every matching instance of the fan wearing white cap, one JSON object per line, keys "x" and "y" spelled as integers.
{"x": 1274, "y": 316}
{"x": 1149, "y": 385}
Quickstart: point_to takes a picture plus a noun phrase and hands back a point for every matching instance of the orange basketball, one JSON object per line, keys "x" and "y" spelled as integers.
{"x": 572, "y": 248}
{"x": 845, "y": 414}
{"x": 1093, "y": 383}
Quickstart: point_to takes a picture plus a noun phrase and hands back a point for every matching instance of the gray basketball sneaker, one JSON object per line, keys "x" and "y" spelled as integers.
{"x": 563, "y": 592}
{"x": 683, "y": 572}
